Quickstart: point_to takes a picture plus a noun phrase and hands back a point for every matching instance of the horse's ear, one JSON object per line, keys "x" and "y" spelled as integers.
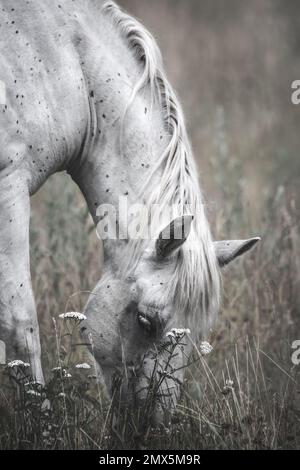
{"x": 173, "y": 235}
{"x": 228, "y": 250}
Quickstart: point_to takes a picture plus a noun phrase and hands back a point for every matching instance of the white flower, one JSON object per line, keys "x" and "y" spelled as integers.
{"x": 61, "y": 395}
{"x": 77, "y": 316}
{"x": 56, "y": 369}
{"x": 33, "y": 384}
{"x": 178, "y": 333}
{"x": 68, "y": 376}
{"x": 33, "y": 393}
{"x": 228, "y": 387}
{"x": 229, "y": 383}
{"x": 18, "y": 363}
{"x": 205, "y": 348}
{"x": 59, "y": 371}
{"x": 84, "y": 365}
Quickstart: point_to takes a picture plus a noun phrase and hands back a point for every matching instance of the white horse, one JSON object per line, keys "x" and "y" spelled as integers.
{"x": 86, "y": 92}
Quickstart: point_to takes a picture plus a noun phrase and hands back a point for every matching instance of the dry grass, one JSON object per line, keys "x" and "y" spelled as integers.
{"x": 244, "y": 395}
{"x": 237, "y": 64}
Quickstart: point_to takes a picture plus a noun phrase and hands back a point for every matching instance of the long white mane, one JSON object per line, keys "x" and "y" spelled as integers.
{"x": 196, "y": 285}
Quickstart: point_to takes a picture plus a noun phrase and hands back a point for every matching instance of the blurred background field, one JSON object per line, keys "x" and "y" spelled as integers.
{"x": 232, "y": 64}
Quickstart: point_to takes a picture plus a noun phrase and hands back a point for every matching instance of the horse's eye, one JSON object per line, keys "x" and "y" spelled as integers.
{"x": 145, "y": 323}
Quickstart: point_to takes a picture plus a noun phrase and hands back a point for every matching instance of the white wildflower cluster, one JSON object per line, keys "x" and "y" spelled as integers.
{"x": 59, "y": 371}
{"x": 33, "y": 383}
{"x": 84, "y": 365}
{"x": 33, "y": 393}
{"x": 18, "y": 364}
{"x": 178, "y": 333}
{"x": 228, "y": 387}
{"x": 205, "y": 348}
{"x": 76, "y": 316}
{"x": 229, "y": 383}
{"x": 34, "y": 388}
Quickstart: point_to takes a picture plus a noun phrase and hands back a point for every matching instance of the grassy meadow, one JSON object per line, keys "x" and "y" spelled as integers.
{"x": 232, "y": 67}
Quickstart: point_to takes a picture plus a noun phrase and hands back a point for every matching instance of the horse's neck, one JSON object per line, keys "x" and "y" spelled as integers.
{"x": 120, "y": 154}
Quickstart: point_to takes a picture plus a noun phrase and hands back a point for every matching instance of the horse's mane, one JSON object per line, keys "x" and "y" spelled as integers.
{"x": 196, "y": 283}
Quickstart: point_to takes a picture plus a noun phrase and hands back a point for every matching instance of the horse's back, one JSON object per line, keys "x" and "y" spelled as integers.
{"x": 43, "y": 108}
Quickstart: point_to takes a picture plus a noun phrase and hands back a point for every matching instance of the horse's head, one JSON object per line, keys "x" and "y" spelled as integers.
{"x": 129, "y": 315}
